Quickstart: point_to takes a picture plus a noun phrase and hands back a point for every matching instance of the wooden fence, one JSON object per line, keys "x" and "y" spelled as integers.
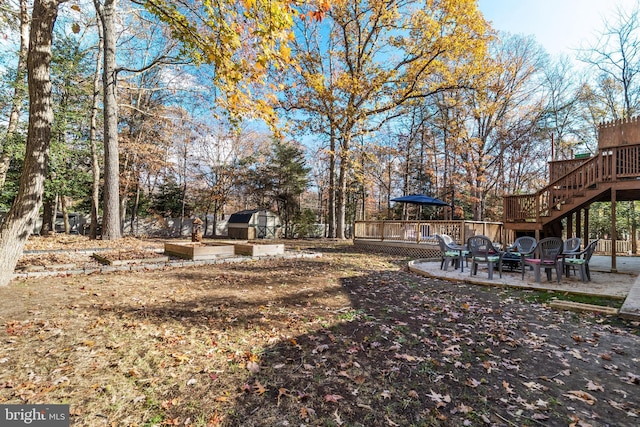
{"x": 623, "y": 247}
{"x": 425, "y": 231}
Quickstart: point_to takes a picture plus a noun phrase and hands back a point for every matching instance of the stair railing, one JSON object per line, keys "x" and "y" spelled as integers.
{"x": 611, "y": 164}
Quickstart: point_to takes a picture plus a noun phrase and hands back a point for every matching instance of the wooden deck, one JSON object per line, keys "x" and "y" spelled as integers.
{"x": 562, "y": 207}
{"x": 615, "y": 169}
{"x": 417, "y": 238}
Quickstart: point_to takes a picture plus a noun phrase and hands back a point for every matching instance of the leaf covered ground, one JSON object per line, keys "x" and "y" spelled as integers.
{"x": 342, "y": 339}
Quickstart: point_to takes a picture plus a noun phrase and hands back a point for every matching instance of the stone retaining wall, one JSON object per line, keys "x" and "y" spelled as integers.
{"x": 153, "y": 266}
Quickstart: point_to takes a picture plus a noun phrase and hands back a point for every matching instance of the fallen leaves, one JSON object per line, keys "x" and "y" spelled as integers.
{"x": 581, "y": 395}
{"x": 306, "y": 413}
{"x": 593, "y": 386}
{"x": 253, "y": 367}
{"x": 283, "y": 392}
{"x": 287, "y": 356}
{"x": 507, "y": 387}
{"x": 439, "y": 399}
{"x": 333, "y": 398}
{"x": 259, "y": 389}
{"x": 180, "y": 358}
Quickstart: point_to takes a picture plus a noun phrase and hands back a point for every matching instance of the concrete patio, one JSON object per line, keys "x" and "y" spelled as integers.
{"x": 624, "y": 284}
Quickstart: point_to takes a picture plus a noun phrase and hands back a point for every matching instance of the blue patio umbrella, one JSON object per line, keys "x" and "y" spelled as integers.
{"x": 420, "y": 200}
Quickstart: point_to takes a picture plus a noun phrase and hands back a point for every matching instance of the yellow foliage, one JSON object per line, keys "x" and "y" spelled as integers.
{"x": 242, "y": 40}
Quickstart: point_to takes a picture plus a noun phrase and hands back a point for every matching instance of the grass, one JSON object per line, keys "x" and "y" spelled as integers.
{"x": 543, "y": 297}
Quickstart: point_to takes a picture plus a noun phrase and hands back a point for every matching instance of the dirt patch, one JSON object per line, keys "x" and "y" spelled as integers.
{"x": 347, "y": 338}
{"x": 75, "y": 242}
{"x": 44, "y": 260}
{"x": 128, "y": 257}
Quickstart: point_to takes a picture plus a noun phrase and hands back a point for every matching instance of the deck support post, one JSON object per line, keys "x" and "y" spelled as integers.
{"x": 579, "y": 225}
{"x": 586, "y": 226}
{"x": 614, "y": 235}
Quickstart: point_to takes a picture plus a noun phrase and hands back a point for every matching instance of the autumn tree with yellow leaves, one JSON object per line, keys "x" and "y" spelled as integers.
{"x": 366, "y": 59}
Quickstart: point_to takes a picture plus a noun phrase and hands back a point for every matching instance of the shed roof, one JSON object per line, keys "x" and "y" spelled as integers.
{"x": 244, "y": 217}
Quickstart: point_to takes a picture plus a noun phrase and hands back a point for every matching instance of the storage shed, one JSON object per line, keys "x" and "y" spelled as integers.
{"x": 254, "y": 224}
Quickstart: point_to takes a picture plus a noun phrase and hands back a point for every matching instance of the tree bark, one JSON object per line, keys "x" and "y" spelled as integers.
{"x": 47, "y": 226}
{"x": 331, "y": 203}
{"x": 95, "y": 162}
{"x": 111, "y": 196}
{"x": 21, "y": 218}
{"x": 342, "y": 190}
{"x": 65, "y": 214}
{"x": 134, "y": 209}
{"x": 18, "y": 94}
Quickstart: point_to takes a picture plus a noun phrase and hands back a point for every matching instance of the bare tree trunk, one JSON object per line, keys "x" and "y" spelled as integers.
{"x": 134, "y": 209}
{"x": 22, "y": 216}
{"x": 342, "y": 190}
{"x": 331, "y": 203}
{"x": 47, "y": 217}
{"x": 124, "y": 199}
{"x": 214, "y": 232}
{"x": 95, "y": 162}
{"x": 18, "y": 94}
{"x": 111, "y": 198}
{"x": 65, "y": 214}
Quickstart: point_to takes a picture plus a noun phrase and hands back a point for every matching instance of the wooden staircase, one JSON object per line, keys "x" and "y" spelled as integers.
{"x": 614, "y": 171}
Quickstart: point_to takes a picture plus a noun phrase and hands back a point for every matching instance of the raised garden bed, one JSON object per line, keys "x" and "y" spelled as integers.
{"x": 46, "y": 261}
{"x": 259, "y": 249}
{"x": 198, "y": 251}
{"x": 128, "y": 257}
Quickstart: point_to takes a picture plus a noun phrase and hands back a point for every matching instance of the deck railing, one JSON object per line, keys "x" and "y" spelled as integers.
{"x": 609, "y": 165}
{"x": 559, "y": 168}
{"x": 425, "y": 231}
{"x": 623, "y": 247}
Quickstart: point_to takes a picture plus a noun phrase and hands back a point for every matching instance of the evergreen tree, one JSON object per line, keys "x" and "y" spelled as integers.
{"x": 276, "y": 180}
{"x": 289, "y": 179}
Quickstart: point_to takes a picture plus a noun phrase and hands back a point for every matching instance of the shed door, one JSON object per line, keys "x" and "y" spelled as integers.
{"x": 266, "y": 226}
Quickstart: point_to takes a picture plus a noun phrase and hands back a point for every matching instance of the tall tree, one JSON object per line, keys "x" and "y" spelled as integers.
{"x": 93, "y": 137}
{"x": 21, "y": 218}
{"x": 19, "y": 92}
{"x": 616, "y": 56}
{"x": 287, "y": 168}
{"x": 71, "y": 73}
{"x": 111, "y": 189}
{"x": 504, "y": 98}
{"x": 383, "y": 54}
{"x": 562, "y": 119}
{"x": 218, "y": 168}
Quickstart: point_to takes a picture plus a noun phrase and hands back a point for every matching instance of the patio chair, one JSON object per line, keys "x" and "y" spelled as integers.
{"x": 447, "y": 239}
{"x": 570, "y": 248}
{"x": 581, "y": 260}
{"x": 546, "y": 256}
{"x": 571, "y": 245}
{"x": 521, "y": 248}
{"x": 483, "y": 251}
{"x": 449, "y": 252}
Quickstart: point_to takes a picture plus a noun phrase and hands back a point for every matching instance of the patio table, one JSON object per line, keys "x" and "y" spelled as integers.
{"x": 461, "y": 249}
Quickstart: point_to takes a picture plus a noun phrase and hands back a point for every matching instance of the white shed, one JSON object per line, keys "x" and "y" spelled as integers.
{"x": 254, "y": 224}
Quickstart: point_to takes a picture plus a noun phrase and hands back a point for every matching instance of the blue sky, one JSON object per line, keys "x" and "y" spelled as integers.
{"x": 559, "y": 25}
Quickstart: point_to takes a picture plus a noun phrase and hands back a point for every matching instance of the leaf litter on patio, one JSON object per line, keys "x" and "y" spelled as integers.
{"x": 345, "y": 339}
